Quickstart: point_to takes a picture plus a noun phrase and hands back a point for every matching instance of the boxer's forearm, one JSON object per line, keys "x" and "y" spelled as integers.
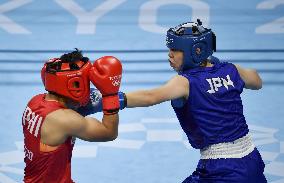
{"x": 142, "y": 98}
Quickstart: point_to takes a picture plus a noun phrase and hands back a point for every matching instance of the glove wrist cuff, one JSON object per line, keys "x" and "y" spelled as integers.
{"x": 110, "y": 104}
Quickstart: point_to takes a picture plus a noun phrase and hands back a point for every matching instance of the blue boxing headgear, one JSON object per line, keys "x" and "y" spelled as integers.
{"x": 196, "y": 42}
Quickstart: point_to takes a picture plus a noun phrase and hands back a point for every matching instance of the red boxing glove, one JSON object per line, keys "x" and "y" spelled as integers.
{"x": 106, "y": 76}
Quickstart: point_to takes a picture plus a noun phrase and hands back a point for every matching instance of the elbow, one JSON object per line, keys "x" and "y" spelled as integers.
{"x": 105, "y": 139}
{"x": 259, "y": 85}
{"x": 256, "y": 86}
{"x": 111, "y": 136}
{"x": 259, "y": 82}
{"x": 255, "y": 82}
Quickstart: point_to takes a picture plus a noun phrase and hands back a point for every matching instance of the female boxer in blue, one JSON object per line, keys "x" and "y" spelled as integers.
{"x": 205, "y": 95}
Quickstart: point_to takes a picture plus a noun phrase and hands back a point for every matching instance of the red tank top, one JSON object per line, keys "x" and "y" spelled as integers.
{"x": 49, "y": 167}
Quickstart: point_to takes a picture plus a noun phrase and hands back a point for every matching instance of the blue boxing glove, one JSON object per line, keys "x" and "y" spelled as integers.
{"x": 95, "y": 104}
{"x": 122, "y": 100}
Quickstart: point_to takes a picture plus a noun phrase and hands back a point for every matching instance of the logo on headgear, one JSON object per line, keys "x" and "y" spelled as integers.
{"x": 115, "y": 80}
{"x": 169, "y": 40}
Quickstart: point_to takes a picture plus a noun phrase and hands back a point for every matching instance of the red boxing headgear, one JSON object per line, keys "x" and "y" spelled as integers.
{"x": 69, "y": 79}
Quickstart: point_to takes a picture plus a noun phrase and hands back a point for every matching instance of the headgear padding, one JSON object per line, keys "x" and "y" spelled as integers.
{"x": 69, "y": 79}
{"x": 196, "y": 42}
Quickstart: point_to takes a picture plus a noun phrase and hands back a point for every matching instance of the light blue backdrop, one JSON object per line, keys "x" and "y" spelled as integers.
{"x": 151, "y": 147}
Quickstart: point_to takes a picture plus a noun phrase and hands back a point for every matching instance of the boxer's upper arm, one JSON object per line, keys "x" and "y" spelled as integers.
{"x": 250, "y": 77}
{"x": 91, "y": 129}
{"x": 70, "y": 123}
{"x": 176, "y": 87}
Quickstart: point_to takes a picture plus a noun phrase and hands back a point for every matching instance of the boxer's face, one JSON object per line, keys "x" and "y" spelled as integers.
{"x": 175, "y": 59}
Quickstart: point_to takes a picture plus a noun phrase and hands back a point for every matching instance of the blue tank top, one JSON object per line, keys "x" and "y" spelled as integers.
{"x": 213, "y": 112}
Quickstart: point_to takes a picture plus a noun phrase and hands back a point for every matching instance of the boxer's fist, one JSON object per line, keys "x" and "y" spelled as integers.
{"x": 95, "y": 103}
{"x": 106, "y": 76}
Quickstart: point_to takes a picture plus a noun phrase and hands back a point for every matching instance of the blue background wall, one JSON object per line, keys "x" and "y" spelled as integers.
{"x": 151, "y": 146}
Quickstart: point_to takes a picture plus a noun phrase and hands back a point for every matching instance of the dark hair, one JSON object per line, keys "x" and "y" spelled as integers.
{"x": 72, "y": 56}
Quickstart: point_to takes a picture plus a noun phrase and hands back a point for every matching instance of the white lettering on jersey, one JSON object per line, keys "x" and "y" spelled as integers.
{"x": 218, "y": 82}
{"x": 26, "y": 115}
{"x": 33, "y": 121}
{"x": 227, "y": 83}
{"x": 28, "y": 153}
{"x": 211, "y": 86}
